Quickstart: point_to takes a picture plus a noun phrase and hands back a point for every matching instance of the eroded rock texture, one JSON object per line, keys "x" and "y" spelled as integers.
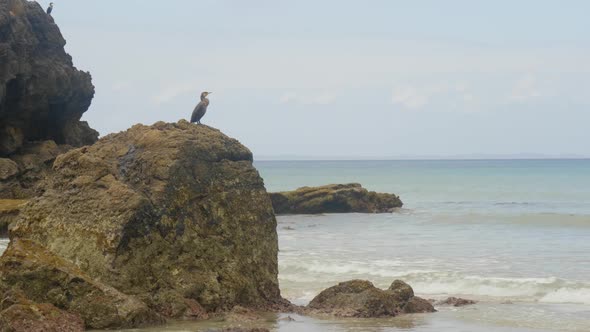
{"x": 32, "y": 274}
{"x": 174, "y": 214}
{"x": 27, "y": 317}
{"x": 42, "y": 94}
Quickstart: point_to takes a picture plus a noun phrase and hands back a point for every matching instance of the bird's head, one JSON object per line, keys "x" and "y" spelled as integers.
{"x": 51, "y": 4}
{"x": 205, "y": 94}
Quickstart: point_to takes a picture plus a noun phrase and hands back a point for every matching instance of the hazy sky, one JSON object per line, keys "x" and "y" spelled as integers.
{"x": 338, "y": 78}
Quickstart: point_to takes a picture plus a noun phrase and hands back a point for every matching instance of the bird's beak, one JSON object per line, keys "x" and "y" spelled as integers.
{"x": 209, "y": 93}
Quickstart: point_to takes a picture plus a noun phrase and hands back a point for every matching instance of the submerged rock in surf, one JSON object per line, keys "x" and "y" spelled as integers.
{"x": 360, "y": 298}
{"x": 335, "y": 198}
{"x": 455, "y": 302}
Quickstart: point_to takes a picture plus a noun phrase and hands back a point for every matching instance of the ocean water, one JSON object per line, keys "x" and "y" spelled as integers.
{"x": 514, "y": 235}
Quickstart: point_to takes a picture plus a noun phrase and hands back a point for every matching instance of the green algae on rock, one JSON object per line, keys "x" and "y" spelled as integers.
{"x": 168, "y": 213}
{"x": 334, "y": 198}
{"x": 359, "y": 298}
{"x": 37, "y": 275}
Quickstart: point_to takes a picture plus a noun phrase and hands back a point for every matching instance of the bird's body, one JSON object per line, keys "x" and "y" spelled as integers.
{"x": 50, "y": 9}
{"x": 200, "y": 109}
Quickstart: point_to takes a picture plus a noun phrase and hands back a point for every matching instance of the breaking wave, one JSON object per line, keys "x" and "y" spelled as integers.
{"x": 3, "y": 245}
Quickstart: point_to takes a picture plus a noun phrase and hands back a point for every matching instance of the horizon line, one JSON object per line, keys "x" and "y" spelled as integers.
{"x": 431, "y": 159}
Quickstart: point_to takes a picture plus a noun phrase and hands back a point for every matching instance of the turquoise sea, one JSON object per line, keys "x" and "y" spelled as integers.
{"x": 512, "y": 234}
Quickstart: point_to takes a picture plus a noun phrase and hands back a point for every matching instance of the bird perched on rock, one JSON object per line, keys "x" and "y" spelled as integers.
{"x": 201, "y": 108}
{"x": 50, "y": 8}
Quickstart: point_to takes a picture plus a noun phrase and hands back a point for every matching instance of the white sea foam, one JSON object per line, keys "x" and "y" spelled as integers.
{"x": 454, "y": 284}
{"x": 437, "y": 283}
{"x": 568, "y": 295}
{"x": 3, "y": 245}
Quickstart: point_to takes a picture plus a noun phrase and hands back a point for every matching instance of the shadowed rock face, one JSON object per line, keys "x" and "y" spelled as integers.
{"x": 172, "y": 213}
{"x": 335, "y": 198}
{"x": 359, "y": 298}
{"x": 42, "y": 95}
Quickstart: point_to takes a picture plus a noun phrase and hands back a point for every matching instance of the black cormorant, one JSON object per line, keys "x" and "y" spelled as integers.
{"x": 50, "y": 8}
{"x": 201, "y": 108}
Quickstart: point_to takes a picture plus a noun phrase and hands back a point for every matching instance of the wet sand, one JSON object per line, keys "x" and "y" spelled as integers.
{"x": 441, "y": 322}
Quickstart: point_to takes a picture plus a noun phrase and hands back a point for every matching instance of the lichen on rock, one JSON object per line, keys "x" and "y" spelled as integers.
{"x": 27, "y": 317}
{"x": 38, "y": 276}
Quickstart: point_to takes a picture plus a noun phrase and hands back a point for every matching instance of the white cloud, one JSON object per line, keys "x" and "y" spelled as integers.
{"x": 525, "y": 89}
{"x": 288, "y": 97}
{"x": 320, "y": 99}
{"x": 324, "y": 99}
{"x": 409, "y": 97}
{"x": 121, "y": 86}
{"x": 173, "y": 91}
{"x": 468, "y": 97}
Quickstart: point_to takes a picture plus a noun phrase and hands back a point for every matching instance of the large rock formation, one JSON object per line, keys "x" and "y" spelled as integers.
{"x": 359, "y": 298}
{"x": 335, "y": 198}
{"x": 174, "y": 214}
{"x": 42, "y": 95}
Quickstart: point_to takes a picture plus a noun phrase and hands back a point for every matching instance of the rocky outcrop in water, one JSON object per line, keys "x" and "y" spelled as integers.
{"x": 335, "y": 198}
{"x": 42, "y": 97}
{"x": 173, "y": 214}
{"x": 359, "y": 298}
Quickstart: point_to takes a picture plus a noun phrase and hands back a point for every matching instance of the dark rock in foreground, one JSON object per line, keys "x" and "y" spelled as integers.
{"x": 359, "y": 298}
{"x": 456, "y": 302}
{"x": 336, "y": 198}
{"x": 39, "y": 276}
{"x": 172, "y": 214}
{"x": 42, "y": 95}
{"x": 27, "y": 317}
